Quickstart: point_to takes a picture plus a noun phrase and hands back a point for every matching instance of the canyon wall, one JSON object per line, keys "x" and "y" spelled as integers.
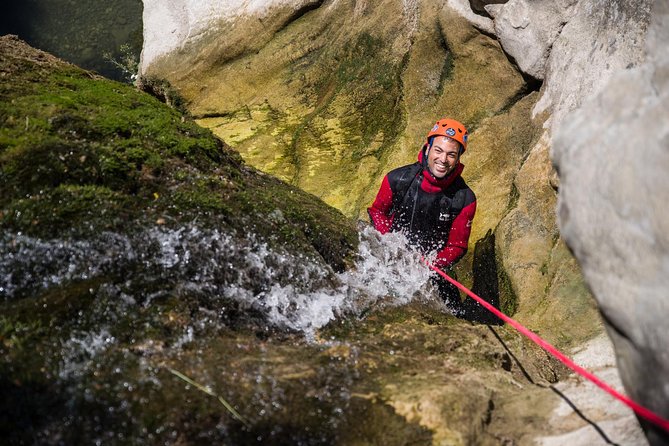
{"x": 330, "y": 95}
{"x": 605, "y": 86}
{"x": 613, "y": 157}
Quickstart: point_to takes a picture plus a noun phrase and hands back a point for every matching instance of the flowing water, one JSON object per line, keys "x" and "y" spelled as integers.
{"x": 292, "y": 291}
{"x": 108, "y": 316}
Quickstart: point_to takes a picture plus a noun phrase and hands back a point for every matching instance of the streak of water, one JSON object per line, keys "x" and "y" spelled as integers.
{"x": 292, "y": 290}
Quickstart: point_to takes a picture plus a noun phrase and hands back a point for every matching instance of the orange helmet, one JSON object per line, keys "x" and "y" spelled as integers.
{"x": 452, "y": 129}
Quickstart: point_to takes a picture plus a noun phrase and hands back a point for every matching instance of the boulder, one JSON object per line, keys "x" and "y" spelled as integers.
{"x": 528, "y": 29}
{"x": 595, "y": 43}
{"x": 613, "y": 156}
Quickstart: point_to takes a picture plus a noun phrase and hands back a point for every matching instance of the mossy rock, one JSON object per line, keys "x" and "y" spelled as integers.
{"x": 80, "y": 154}
{"x": 413, "y": 374}
{"x": 96, "y": 180}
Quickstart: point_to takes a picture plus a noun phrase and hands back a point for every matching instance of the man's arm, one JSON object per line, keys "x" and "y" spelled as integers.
{"x": 458, "y": 238}
{"x": 379, "y": 212}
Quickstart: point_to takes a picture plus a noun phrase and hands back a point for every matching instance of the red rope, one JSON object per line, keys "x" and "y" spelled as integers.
{"x": 636, "y": 407}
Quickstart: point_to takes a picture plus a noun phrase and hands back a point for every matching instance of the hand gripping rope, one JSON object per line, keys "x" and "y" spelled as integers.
{"x": 636, "y": 407}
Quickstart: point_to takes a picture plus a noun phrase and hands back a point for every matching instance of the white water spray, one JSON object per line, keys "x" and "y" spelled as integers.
{"x": 292, "y": 290}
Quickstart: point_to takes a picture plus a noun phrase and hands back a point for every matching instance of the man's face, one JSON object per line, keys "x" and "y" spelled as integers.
{"x": 443, "y": 156}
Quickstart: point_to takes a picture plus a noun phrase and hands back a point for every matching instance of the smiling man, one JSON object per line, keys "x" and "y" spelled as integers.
{"x": 430, "y": 203}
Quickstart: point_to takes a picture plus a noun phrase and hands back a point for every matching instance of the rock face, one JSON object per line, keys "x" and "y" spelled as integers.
{"x": 171, "y": 24}
{"x": 528, "y": 29}
{"x": 613, "y": 158}
{"x": 330, "y": 98}
{"x": 609, "y": 207}
{"x": 331, "y": 95}
{"x": 574, "y": 46}
{"x": 600, "y": 39}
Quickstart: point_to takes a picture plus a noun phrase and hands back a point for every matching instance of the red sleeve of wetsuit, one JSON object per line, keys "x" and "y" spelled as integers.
{"x": 458, "y": 238}
{"x": 379, "y": 212}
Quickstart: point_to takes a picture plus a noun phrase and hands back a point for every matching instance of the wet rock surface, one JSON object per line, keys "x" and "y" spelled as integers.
{"x": 527, "y": 30}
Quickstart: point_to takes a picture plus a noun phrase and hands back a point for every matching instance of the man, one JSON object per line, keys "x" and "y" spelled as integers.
{"x": 431, "y": 204}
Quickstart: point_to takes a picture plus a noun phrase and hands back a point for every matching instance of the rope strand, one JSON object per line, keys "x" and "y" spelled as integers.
{"x": 636, "y": 407}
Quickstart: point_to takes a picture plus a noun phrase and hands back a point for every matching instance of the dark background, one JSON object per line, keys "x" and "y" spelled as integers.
{"x": 79, "y": 31}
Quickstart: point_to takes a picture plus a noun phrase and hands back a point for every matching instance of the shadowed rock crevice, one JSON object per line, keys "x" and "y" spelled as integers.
{"x": 478, "y": 6}
{"x": 531, "y": 83}
{"x": 486, "y": 283}
{"x": 299, "y": 13}
{"x": 447, "y": 70}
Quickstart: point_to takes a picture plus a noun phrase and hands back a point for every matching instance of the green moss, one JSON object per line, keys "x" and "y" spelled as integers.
{"x": 446, "y": 74}
{"x": 203, "y": 193}
{"x": 372, "y": 81}
{"x": 58, "y": 209}
{"x": 79, "y": 153}
{"x": 302, "y": 221}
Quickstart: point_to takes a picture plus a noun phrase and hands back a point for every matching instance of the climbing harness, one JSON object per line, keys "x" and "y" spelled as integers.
{"x": 636, "y": 407}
